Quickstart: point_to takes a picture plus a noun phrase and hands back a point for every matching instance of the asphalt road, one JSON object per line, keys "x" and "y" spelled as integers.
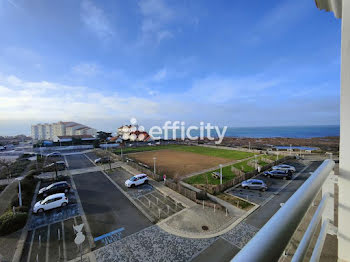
{"x": 106, "y": 208}
{"x": 78, "y": 161}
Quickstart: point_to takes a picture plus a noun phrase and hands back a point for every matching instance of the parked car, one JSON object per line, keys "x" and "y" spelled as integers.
{"x": 284, "y": 167}
{"x": 102, "y": 160}
{"x": 60, "y": 165}
{"x": 137, "y": 180}
{"x": 254, "y": 184}
{"x": 58, "y": 187}
{"x": 279, "y": 174}
{"x": 50, "y": 202}
{"x": 54, "y": 154}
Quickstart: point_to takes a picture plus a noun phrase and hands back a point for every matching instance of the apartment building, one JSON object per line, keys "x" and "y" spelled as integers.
{"x": 51, "y": 131}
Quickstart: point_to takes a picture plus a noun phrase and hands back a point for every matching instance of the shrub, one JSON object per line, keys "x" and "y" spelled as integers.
{"x": 10, "y": 222}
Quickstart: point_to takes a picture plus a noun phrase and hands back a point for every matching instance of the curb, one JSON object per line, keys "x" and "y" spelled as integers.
{"x": 20, "y": 244}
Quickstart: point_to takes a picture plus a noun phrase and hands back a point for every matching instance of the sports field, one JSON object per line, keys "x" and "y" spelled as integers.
{"x": 208, "y": 151}
{"x": 176, "y": 160}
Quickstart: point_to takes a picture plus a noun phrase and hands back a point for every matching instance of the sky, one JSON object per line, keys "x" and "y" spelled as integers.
{"x": 100, "y": 63}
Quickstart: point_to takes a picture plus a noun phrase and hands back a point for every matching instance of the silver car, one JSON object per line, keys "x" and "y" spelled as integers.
{"x": 284, "y": 167}
{"x": 254, "y": 184}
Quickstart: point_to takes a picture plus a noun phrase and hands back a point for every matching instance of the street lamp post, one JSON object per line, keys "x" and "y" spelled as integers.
{"x": 19, "y": 191}
{"x": 154, "y": 164}
{"x": 256, "y": 162}
{"x": 220, "y": 174}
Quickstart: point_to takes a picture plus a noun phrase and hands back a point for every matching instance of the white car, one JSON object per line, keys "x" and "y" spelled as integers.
{"x": 284, "y": 167}
{"x": 136, "y": 180}
{"x": 50, "y": 202}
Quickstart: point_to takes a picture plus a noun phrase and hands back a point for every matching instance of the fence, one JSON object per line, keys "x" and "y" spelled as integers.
{"x": 241, "y": 176}
{"x": 141, "y": 167}
{"x": 182, "y": 190}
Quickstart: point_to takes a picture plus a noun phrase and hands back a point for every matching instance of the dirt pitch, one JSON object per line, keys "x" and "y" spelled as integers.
{"x": 172, "y": 162}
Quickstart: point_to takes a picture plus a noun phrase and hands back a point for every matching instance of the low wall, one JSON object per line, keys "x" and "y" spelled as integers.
{"x": 182, "y": 190}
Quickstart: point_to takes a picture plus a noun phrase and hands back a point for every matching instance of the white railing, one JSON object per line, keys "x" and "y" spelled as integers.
{"x": 270, "y": 242}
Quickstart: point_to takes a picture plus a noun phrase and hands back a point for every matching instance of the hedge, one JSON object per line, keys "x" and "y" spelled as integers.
{"x": 11, "y": 222}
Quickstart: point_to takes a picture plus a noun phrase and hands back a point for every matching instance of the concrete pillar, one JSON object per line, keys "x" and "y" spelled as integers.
{"x": 344, "y": 160}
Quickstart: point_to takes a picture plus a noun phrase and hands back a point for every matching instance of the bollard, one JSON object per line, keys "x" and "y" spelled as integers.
{"x": 159, "y": 210}
{"x": 203, "y": 204}
{"x": 39, "y": 241}
{"x": 168, "y": 208}
{"x": 37, "y": 257}
{"x": 59, "y": 234}
{"x": 214, "y": 208}
{"x": 149, "y": 203}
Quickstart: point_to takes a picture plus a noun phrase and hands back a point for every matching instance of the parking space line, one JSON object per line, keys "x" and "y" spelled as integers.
{"x": 65, "y": 160}
{"x": 47, "y": 244}
{"x": 31, "y": 245}
{"x": 164, "y": 204}
{"x": 90, "y": 160}
{"x": 64, "y": 243}
{"x": 128, "y": 197}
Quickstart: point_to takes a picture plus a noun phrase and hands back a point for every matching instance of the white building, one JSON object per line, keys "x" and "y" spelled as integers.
{"x": 50, "y": 131}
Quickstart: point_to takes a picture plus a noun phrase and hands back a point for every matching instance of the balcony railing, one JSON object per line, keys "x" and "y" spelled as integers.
{"x": 271, "y": 241}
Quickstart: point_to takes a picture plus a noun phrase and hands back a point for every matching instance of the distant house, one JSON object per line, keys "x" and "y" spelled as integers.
{"x": 131, "y": 133}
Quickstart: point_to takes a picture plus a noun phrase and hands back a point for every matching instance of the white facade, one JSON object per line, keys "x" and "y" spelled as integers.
{"x": 50, "y": 131}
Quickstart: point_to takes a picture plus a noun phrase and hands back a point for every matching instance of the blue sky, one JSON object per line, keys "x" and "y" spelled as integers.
{"x": 100, "y": 63}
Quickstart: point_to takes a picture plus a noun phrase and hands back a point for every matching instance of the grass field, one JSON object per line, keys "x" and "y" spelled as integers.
{"x": 226, "y": 172}
{"x": 222, "y": 153}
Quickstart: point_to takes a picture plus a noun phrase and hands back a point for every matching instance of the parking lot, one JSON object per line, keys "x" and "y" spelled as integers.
{"x": 51, "y": 234}
{"x": 78, "y": 161}
{"x": 53, "y": 242}
{"x": 274, "y": 185}
{"x": 109, "y": 212}
{"x": 149, "y": 199}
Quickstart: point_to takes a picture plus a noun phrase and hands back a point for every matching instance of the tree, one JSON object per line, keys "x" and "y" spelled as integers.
{"x": 6, "y": 164}
{"x": 96, "y": 143}
{"x": 102, "y": 136}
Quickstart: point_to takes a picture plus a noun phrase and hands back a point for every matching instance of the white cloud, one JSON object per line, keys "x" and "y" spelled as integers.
{"x": 95, "y": 20}
{"x": 156, "y": 17}
{"x": 86, "y": 69}
{"x": 47, "y": 101}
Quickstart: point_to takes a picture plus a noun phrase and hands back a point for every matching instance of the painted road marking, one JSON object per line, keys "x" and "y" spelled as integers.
{"x": 31, "y": 246}
{"x": 109, "y": 234}
{"x": 47, "y": 244}
{"x": 64, "y": 243}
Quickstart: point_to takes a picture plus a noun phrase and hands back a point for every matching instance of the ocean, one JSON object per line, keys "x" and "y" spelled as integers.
{"x": 281, "y": 131}
{"x": 284, "y": 131}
